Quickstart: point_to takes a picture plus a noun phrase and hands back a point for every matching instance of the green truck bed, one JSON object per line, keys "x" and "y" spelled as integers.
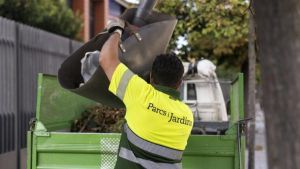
{"x": 52, "y": 146}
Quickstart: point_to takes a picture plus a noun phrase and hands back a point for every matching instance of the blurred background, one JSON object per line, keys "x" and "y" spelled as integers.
{"x": 38, "y": 35}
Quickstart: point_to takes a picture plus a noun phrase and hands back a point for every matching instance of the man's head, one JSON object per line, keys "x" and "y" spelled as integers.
{"x": 167, "y": 70}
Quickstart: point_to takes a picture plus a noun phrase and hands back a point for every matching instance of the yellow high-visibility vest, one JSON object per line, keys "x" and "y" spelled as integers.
{"x": 154, "y": 113}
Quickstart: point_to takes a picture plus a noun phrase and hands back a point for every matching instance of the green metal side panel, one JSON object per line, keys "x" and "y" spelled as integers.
{"x": 76, "y": 151}
{"x": 209, "y": 152}
{"x": 237, "y": 114}
{"x": 93, "y": 151}
{"x": 243, "y": 152}
{"x": 57, "y": 107}
{"x": 29, "y": 147}
{"x": 237, "y": 99}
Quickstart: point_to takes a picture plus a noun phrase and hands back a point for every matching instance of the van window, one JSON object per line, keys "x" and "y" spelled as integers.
{"x": 191, "y": 91}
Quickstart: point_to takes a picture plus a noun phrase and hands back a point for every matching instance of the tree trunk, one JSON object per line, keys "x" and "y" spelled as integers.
{"x": 251, "y": 93}
{"x": 278, "y": 35}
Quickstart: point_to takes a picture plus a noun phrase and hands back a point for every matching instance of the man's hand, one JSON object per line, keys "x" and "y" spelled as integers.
{"x": 116, "y": 25}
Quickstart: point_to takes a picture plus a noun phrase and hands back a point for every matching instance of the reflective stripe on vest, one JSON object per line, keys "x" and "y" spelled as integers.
{"x": 124, "y": 83}
{"x": 128, "y": 155}
{"x": 151, "y": 147}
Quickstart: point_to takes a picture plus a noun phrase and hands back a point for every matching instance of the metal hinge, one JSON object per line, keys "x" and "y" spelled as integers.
{"x": 138, "y": 36}
{"x": 40, "y": 129}
{"x": 122, "y": 48}
{"x": 32, "y": 124}
{"x": 41, "y": 133}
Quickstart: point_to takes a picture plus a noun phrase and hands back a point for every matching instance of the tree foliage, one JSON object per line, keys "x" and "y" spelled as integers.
{"x": 213, "y": 29}
{"x": 51, "y": 15}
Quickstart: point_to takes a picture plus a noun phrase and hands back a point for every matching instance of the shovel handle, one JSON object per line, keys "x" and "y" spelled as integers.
{"x": 144, "y": 9}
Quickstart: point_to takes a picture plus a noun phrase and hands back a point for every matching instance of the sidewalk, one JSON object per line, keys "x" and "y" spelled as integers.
{"x": 260, "y": 140}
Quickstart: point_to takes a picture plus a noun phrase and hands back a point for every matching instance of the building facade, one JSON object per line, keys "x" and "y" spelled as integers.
{"x": 96, "y": 13}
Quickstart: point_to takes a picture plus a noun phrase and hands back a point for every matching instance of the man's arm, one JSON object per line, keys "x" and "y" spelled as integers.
{"x": 123, "y": 82}
{"x": 109, "y": 57}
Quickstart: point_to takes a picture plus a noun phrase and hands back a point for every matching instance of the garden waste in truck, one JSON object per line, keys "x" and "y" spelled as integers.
{"x": 51, "y": 145}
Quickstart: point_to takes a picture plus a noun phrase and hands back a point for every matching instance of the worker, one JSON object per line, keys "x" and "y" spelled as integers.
{"x": 158, "y": 124}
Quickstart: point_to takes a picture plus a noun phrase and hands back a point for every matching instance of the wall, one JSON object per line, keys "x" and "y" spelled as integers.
{"x": 94, "y": 14}
{"x": 24, "y": 52}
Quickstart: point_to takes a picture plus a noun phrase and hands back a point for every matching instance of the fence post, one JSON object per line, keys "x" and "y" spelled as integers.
{"x": 17, "y": 117}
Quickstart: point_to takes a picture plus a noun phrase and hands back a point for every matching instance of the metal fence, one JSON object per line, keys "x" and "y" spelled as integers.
{"x": 24, "y": 52}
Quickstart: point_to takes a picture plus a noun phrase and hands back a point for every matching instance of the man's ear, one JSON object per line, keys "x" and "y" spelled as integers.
{"x": 151, "y": 79}
{"x": 178, "y": 84}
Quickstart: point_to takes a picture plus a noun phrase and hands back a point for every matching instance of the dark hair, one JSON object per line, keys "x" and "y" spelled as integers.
{"x": 167, "y": 70}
